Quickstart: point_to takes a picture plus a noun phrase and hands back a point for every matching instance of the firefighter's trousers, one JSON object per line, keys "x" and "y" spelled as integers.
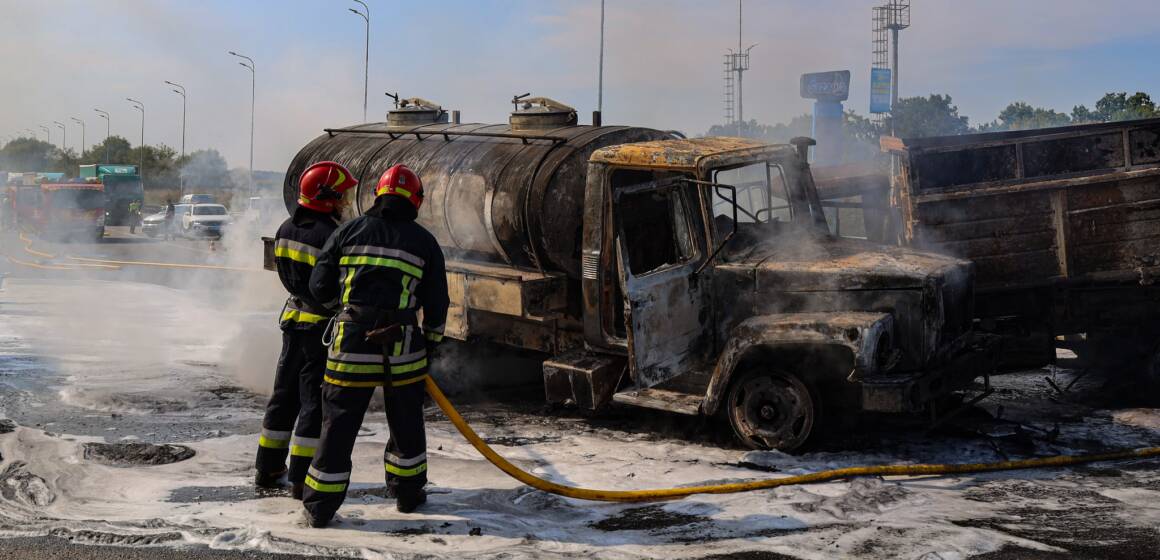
{"x": 293, "y": 419}
{"x": 405, "y": 458}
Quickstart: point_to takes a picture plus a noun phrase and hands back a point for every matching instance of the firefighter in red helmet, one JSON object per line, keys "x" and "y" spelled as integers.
{"x": 293, "y": 417}
{"x": 383, "y": 267}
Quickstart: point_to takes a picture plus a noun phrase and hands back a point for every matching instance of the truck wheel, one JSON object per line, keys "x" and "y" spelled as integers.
{"x": 770, "y": 409}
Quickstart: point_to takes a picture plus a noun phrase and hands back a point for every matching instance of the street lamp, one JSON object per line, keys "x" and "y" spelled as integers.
{"x": 64, "y": 135}
{"x": 180, "y": 91}
{"x": 47, "y": 133}
{"x": 367, "y": 53}
{"x": 82, "y": 123}
{"x": 140, "y": 107}
{"x": 253, "y": 97}
{"x": 108, "y": 122}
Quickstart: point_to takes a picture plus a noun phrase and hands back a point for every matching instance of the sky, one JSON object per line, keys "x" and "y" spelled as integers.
{"x": 663, "y": 61}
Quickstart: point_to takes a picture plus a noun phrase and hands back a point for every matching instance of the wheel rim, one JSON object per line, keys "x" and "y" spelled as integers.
{"x": 772, "y": 411}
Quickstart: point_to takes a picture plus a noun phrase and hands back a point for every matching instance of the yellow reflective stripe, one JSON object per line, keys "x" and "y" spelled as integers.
{"x": 346, "y": 283}
{"x": 303, "y": 200}
{"x": 354, "y": 368}
{"x": 408, "y": 381}
{"x": 405, "y": 295}
{"x": 403, "y": 192}
{"x": 295, "y": 255}
{"x": 337, "y": 343}
{"x": 269, "y": 443}
{"x": 398, "y": 349}
{"x": 345, "y": 383}
{"x": 433, "y": 336}
{"x": 400, "y": 471}
{"x": 324, "y": 487}
{"x": 407, "y": 368}
{"x": 301, "y": 451}
{"x": 302, "y": 316}
{"x": 382, "y": 261}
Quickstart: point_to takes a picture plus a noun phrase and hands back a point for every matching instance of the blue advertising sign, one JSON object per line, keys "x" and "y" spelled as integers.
{"x": 826, "y": 86}
{"x": 880, "y": 90}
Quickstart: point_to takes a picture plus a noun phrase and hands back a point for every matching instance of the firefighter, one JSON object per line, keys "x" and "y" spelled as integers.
{"x": 298, "y": 379}
{"x": 134, "y": 215}
{"x": 382, "y": 267}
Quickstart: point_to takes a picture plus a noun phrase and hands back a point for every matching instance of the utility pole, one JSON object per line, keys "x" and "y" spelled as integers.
{"x": 140, "y": 107}
{"x": 82, "y": 123}
{"x": 64, "y": 135}
{"x": 108, "y": 123}
{"x": 600, "y": 72}
{"x": 367, "y": 54}
{"x": 253, "y": 98}
{"x": 180, "y": 91}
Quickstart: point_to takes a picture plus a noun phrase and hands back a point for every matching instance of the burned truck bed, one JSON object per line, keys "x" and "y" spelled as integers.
{"x": 1063, "y": 225}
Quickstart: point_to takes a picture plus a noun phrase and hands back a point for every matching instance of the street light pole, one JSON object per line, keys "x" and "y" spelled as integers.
{"x": 253, "y": 98}
{"x": 140, "y": 107}
{"x": 367, "y": 54}
{"x": 108, "y": 123}
{"x": 47, "y": 133}
{"x": 182, "y": 94}
{"x": 600, "y": 72}
{"x": 180, "y": 91}
{"x": 64, "y": 135}
{"x": 82, "y": 123}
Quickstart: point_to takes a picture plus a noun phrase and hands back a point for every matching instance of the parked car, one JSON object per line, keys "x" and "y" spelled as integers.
{"x": 203, "y": 220}
{"x": 154, "y": 224}
{"x": 198, "y": 199}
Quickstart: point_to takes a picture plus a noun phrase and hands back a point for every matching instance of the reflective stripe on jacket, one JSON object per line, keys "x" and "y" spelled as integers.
{"x": 297, "y": 246}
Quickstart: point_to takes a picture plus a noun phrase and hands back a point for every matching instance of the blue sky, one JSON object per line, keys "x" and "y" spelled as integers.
{"x": 61, "y": 58}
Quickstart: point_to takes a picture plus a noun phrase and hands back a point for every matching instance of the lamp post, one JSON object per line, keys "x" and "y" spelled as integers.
{"x": 253, "y": 97}
{"x": 366, "y": 15}
{"x": 140, "y": 107}
{"x": 47, "y": 133}
{"x": 82, "y": 123}
{"x": 64, "y": 135}
{"x": 108, "y": 122}
{"x": 180, "y": 91}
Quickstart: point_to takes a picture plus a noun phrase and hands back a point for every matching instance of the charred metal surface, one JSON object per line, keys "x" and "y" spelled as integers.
{"x": 493, "y": 199}
{"x": 587, "y": 379}
{"x": 858, "y": 332}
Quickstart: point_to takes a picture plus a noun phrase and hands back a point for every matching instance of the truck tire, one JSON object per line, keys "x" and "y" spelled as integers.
{"x": 771, "y": 409}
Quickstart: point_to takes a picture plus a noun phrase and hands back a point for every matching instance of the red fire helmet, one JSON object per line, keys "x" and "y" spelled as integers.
{"x": 322, "y": 185}
{"x": 399, "y": 180}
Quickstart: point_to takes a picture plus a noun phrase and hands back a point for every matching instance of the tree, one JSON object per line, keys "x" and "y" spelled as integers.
{"x": 119, "y": 151}
{"x": 1022, "y": 116}
{"x": 1119, "y": 106}
{"x": 29, "y": 154}
{"x": 916, "y": 117}
{"x": 206, "y": 170}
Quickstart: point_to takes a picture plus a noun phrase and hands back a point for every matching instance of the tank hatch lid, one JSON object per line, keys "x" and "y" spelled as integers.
{"x": 540, "y": 113}
{"x": 415, "y": 111}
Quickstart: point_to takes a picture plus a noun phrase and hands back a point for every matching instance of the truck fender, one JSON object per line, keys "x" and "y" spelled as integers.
{"x": 868, "y": 336}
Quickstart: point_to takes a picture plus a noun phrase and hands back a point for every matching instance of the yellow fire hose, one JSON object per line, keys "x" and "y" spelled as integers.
{"x": 734, "y": 487}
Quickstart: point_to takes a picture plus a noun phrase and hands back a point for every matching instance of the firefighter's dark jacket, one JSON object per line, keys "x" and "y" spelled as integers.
{"x": 297, "y": 246}
{"x": 384, "y": 260}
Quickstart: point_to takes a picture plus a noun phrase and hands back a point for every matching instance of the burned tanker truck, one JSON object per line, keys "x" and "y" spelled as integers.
{"x": 696, "y": 276}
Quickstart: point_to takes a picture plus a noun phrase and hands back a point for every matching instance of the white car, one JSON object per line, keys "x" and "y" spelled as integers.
{"x": 204, "y": 220}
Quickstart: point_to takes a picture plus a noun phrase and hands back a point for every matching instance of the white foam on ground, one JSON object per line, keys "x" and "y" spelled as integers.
{"x": 899, "y": 517}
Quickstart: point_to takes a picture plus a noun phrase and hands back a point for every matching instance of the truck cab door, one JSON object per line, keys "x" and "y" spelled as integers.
{"x": 660, "y": 245}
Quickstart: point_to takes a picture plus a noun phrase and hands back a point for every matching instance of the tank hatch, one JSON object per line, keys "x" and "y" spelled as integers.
{"x": 415, "y": 111}
{"x": 540, "y": 113}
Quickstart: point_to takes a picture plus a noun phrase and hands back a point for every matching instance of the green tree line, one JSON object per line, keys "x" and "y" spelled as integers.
{"x": 162, "y": 167}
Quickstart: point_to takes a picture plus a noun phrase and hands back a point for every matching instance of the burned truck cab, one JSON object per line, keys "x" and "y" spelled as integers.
{"x": 711, "y": 285}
